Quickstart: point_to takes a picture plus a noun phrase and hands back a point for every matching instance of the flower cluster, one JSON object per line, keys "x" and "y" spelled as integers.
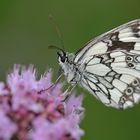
{"x": 28, "y": 112}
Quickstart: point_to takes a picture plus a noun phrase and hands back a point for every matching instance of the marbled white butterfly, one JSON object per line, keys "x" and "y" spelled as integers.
{"x": 108, "y": 66}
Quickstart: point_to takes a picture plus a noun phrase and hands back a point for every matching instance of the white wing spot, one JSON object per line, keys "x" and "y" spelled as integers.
{"x": 137, "y": 46}
{"x": 116, "y": 54}
{"x": 125, "y": 30}
{"x": 115, "y": 95}
{"x": 99, "y": 69}
{"x": 127, "y": 78}
{"x": 120, "y": 64}
{"x": 120, "y": 59}
{"x": 135, "y": 52}
{"x": 98, "y": 48}
{"x": 119, "y": 85}
{"x": 127, "y": 103}
{"x": 130, "y": 39}
{"x": 125, "y": 35}
{"x": 103, "y": 97}
{"x": 136, "y": 97}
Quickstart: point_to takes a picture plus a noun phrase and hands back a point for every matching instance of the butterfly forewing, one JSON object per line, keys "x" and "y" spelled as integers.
{"x": 112, "y": 66}
{"x": 123, "y": 37}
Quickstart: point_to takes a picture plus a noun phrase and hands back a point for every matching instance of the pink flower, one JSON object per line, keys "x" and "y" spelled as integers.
{"x": 73, "y": 103}
{"x": 63, "y": 129}
{"x": 32, "y": 109}
{"x": 7, "y": 127}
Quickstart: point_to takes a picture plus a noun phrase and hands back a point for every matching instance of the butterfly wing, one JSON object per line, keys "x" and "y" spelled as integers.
{"x": 112, "y": 66}
{"x": 114, "y": 78}
{"x": 123, "y": 37}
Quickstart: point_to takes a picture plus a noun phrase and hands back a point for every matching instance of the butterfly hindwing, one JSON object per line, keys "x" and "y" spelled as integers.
{"x": 114, "y": 78}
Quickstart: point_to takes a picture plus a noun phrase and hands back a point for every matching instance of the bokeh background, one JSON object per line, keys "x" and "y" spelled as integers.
{"x": 26, "y": 31}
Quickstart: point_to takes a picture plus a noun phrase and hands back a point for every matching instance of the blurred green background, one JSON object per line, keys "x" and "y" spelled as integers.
{"x": 25, "y": 33}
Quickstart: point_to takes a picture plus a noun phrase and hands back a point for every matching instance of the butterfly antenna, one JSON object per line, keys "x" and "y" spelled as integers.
{"x": 53, "y": 85}
{"x": 55, "y": 47}
{"x": 57, "y": 29}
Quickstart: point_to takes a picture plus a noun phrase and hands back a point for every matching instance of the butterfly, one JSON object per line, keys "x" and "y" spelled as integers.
{"x": 108, "y": 66}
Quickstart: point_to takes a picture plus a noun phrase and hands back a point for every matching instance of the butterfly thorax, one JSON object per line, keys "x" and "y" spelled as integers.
{"x": 71, "y": 70}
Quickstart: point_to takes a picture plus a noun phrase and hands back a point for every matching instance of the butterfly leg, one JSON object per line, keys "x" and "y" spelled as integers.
{"x": 68, "y": 92}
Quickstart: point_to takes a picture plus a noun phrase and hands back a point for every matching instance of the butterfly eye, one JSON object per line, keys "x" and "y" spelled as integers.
{"x": 63, "y": 58}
